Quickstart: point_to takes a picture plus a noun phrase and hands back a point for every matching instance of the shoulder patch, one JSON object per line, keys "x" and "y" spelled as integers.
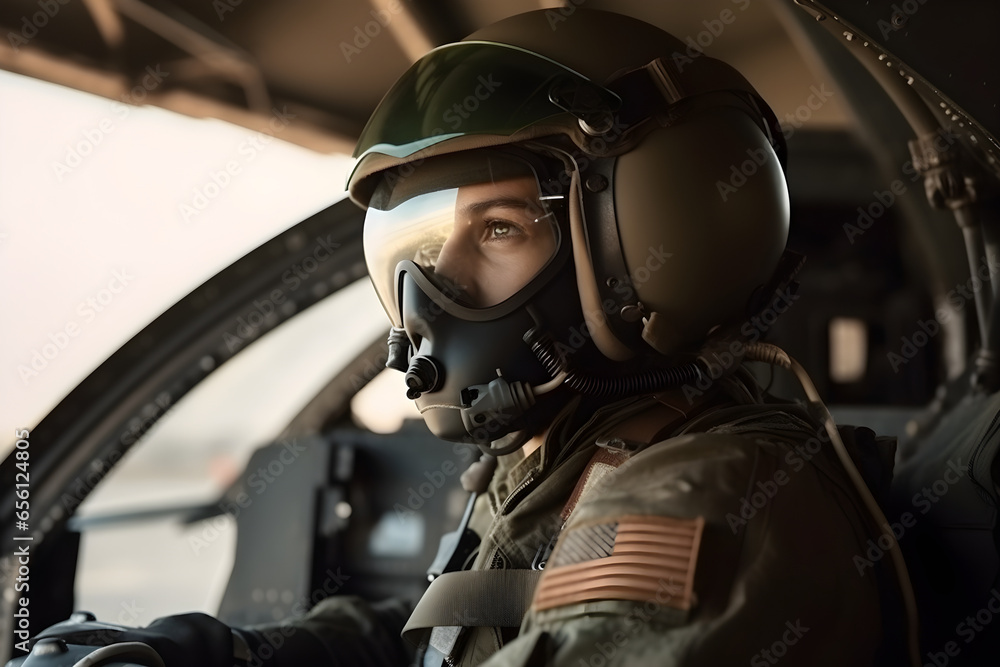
{"x": 635, "y": 558}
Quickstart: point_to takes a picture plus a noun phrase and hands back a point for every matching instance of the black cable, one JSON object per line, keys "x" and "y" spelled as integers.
{"x": 650, "y": 380}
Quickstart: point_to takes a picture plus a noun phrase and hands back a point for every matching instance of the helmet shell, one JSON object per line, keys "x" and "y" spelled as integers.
{"x": 698, "y": 213}
{"x": 702, "y": 213}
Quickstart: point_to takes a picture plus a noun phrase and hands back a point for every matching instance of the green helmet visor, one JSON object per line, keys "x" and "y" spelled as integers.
{"x": 477, "y": 88}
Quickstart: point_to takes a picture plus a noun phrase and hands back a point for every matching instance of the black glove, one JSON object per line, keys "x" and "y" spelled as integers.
{"x": 185, "y": 640}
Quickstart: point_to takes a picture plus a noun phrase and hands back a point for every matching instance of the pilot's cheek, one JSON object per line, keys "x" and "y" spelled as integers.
{"x": 458, "y": 270}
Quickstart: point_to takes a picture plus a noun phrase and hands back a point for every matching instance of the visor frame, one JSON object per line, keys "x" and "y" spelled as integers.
{"x": 552, "y": 194}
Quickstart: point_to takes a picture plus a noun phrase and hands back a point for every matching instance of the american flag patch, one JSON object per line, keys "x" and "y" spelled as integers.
{"x": 635, "y": 558}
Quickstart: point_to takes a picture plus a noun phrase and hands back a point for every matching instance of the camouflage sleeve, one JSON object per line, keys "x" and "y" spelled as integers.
{"x": 709, "y": 549}
{"x": 339, "y": 631}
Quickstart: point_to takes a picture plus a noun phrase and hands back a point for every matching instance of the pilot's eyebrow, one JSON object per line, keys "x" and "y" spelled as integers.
{"x": 497, "y": 202}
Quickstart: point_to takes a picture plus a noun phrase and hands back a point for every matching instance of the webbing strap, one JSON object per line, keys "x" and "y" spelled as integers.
{"x": 474, "y": 598}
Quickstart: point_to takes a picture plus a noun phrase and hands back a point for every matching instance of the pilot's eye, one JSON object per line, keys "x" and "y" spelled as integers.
{"x": 501, "y": 229}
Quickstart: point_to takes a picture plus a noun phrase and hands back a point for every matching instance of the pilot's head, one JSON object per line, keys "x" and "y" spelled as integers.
{"x": 562, "y": 205}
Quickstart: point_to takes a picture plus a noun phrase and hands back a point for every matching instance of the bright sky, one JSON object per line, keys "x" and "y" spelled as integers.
{"x": 111, "y": 213}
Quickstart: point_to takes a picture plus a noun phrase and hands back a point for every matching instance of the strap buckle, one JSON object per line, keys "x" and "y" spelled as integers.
{"x": 618, "y": 445}
{"x": 543, "y": 552}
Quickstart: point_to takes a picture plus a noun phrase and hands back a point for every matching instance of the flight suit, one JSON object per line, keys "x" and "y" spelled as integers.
{"x": 771, "y": 533}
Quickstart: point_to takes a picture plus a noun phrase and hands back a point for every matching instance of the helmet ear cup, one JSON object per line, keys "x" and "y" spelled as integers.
{"x": 702, "y": 212}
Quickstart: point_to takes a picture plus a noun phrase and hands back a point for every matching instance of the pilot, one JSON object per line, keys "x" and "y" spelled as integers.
{"x": 571, "y": 223}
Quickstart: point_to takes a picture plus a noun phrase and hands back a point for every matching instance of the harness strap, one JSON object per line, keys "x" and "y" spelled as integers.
{"x": 474, "y": 598}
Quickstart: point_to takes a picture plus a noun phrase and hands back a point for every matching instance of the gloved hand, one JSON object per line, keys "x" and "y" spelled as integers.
{"x": 185, "y": 640}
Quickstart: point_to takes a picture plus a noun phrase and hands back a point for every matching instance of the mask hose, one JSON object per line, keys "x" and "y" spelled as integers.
{"x": 651, "y": 380}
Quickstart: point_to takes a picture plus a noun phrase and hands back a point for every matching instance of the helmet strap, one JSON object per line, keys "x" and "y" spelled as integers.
{"x": 586, "y": 280}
